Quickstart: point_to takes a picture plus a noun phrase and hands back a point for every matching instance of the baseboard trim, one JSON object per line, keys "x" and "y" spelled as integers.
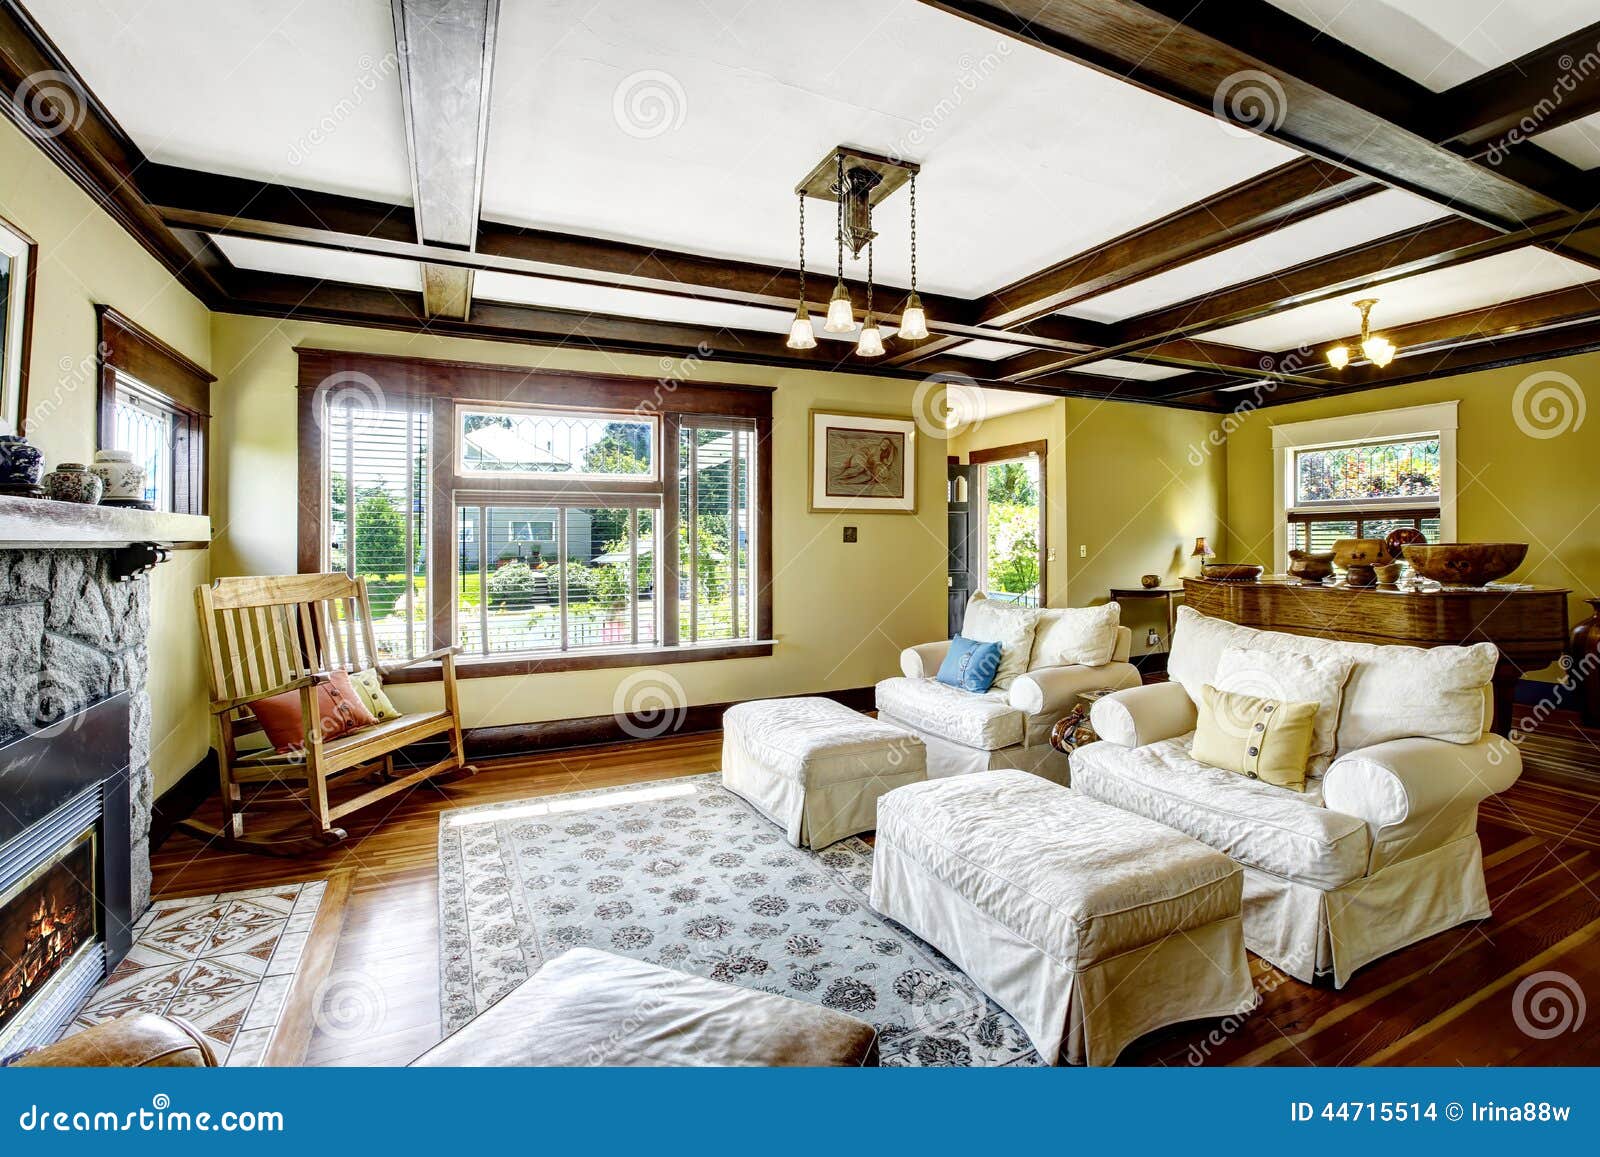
{"x": 199, "y": 783}
{"x": 183, "y": 799}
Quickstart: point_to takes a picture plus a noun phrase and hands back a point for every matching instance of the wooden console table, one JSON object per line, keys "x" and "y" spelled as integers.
{"x": 1529, "y": 625}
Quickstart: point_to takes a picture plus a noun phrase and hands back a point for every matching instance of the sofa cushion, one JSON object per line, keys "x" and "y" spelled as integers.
{"x": 1081, "y": 635}
{"x": 986, "y": 722}
{"x": 970, "y": 665}
{"x": 1258, "y": 825}
{"x": 1394, "y": 692}
{"x": 992, "y": 621}
{"x": 1288, "y": 676}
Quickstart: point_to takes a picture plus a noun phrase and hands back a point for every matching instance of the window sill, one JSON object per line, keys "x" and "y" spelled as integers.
{"x": 488, "y": 667}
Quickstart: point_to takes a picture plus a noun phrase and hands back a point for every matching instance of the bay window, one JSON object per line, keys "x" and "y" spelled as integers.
{"x": 539, "y": 522}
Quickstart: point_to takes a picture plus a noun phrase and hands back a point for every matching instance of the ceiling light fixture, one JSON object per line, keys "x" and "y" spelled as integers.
{"x": 856, "y": 181}
{"x": 801, "y": 335}
{"x": 1376, "y": 348}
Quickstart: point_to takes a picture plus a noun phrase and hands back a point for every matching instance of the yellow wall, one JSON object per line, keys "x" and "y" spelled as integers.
{"x": 842, "y": 613}
{"x": 1130, "y": 487}
{"x": 86, "y": 259}
{"x": 1510, "y": 485}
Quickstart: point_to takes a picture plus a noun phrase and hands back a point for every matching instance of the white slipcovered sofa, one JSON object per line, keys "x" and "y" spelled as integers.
{"x": 1009, "y": 725}
{"x": 1380, "y": 851}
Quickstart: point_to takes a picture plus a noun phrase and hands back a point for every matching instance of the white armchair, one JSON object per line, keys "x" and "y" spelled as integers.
{"x": 1379, "y": 852}
{"x": 1004, "y": 728}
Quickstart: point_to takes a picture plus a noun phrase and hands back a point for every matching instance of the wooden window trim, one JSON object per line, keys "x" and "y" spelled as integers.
{"x": 1041, "y": 450}
{"x": 127, "y": 348}
{"x": 440, "y": 384}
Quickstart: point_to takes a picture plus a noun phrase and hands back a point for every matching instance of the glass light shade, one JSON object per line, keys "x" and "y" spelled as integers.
{"x": 841, "y": 314}
{"x": 870, "y": 343}
{"x": 801, "y": 335}
{"x": 1338, "y": 357}
{"x": 914, "y": 321}
{"x": 1378, "y": 350}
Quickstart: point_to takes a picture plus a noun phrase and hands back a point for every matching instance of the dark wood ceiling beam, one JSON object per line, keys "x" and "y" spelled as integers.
{"x": 1541, "y": 90}
{"x": 446, "y": 55}
{"x": 1336, "y": 104}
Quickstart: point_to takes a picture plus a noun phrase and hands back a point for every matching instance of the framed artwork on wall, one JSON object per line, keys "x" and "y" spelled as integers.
{"x": 863, "y": 462}
{"x": 18, "y": 259}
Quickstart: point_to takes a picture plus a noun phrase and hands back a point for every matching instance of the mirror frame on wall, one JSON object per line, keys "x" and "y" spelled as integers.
{"x": 17, "y": 326}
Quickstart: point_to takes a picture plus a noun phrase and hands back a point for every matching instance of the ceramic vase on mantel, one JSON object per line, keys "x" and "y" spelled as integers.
{"x": 21, "y": 463}
{"x": 72, "y": 482}
{"x": 1585, "y": 654}
{"x": 123, "y": 478}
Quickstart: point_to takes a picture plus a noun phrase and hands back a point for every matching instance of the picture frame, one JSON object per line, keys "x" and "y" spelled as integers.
{"x": 864, "y": 463}
{"x": 19, "y": 259}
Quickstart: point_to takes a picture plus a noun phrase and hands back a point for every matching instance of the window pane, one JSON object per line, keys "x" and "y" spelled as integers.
{"x": 1011, "y": 523}
{"x": 599, "y": 579}
{"x": 1324, "y": 534}
{"x": 377, "y": 516}
{"x": 551, "y": 442}
{"x": 715, "y": 580}
{"x": 1408, "y": 469}
{"x": 148, "y": 430}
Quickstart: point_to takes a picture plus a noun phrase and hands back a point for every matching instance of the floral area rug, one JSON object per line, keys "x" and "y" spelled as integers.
{"x": 685, "y": 874}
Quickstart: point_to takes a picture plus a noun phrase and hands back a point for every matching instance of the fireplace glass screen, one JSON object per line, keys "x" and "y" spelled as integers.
{"x": 45, "y": 920}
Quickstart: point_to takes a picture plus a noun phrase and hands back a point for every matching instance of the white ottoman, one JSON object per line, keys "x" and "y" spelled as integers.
{"x": 1089, "y": 925}
{"x": 814, "y": 767}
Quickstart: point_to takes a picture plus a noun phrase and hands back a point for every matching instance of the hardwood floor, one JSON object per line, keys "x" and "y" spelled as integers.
{"x": 1448, "y": 1000}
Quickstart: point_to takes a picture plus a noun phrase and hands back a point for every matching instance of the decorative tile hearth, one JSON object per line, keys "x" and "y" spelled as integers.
{"x": 224, "y": 963}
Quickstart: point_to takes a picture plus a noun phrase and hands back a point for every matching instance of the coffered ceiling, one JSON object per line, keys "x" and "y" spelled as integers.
{"x": 1156, "y": 201}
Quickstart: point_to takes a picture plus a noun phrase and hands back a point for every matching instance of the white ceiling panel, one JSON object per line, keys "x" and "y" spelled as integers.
{"x": 1441, "y": 43}
{"x": 582, "y": 298}
{"x": 1487, "y": 281}
{"x": 1365, "y": 220}
{"x": 1577, "y": 142}
{"x": 989, "y": 351}
{"x": 323, "y": 264}
{"x": 280, "y": 90}
{"x": 1139, "y": 371}
{"x": 688, "y": 125}
{"x": 971, "y": 406}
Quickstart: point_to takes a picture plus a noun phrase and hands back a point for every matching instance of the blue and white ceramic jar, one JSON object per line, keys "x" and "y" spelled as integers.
{"x": 21, "y": 463}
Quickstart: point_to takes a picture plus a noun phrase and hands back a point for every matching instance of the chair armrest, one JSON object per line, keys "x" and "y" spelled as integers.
{"x": 218, "y": 706}
{"x": 1143, "y": 715}
{"x": 922, "y": 662}
{"x": 1051, "y": 692}
{"x": 1418, "y": 794}
{"x": 388, "y": 669}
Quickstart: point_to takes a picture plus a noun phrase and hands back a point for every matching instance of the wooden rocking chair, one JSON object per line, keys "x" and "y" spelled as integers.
{"x": 265, "y": 636}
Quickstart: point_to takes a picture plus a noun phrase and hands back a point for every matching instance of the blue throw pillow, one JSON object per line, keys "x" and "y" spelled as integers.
{"x": 970, "y": 665}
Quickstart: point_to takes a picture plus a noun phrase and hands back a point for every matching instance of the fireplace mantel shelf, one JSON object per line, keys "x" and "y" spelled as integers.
{"x": 39, "y": 523}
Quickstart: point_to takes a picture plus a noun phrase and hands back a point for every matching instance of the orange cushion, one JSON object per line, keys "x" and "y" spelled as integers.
{"x": 339, "y": 712}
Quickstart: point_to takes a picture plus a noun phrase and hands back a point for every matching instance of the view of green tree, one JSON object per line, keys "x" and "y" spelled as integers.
{"x": 1383, "y": 470}
{"x": 1012, "y": 484}
{"x": 380, "y": 547}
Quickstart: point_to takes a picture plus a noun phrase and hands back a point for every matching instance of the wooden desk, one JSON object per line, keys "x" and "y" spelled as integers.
{"x": 1529, "y": 626}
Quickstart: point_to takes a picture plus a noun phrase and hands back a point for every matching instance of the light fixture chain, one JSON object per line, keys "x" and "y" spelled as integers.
{"x": 839, "y": 231}
{"x": 802, "y": 248}
{"x": 913, "y": 234}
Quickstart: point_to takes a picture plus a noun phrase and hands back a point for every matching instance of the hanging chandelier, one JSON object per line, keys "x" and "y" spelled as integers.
{"x": 1376, "y": 348}
{"x": 856, "y": 181}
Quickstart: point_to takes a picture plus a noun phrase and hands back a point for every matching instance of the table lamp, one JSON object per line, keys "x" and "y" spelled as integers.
{"x": 1202, "y": 552}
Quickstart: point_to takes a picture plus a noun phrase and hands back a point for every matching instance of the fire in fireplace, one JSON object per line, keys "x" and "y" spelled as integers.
{"x": 45, "y": 920}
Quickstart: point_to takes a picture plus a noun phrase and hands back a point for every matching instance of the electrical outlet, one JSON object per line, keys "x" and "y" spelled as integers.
{"x": 1152, "y": 639}
{"x": 849, "y": 534}
{"x": 1083, "y": 552}
{"x": 1050, "y": 555}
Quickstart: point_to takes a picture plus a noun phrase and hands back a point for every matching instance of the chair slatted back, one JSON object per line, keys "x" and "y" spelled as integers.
{"x": 260, "y": 633}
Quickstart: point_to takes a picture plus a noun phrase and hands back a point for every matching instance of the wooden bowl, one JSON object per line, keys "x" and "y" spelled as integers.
{"x": 1310, "y": 566}
{"x": 1349, "y": 552}
{"x": 1466, "y": 564}
{"x": 1230, "y": 572}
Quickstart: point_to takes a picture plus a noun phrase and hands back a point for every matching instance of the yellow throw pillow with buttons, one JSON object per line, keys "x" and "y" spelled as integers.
{"x": 1265, "y": 739}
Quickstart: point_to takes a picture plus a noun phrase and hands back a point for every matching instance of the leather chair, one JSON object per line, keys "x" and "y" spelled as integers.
{"x": 140, "y": 1041}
